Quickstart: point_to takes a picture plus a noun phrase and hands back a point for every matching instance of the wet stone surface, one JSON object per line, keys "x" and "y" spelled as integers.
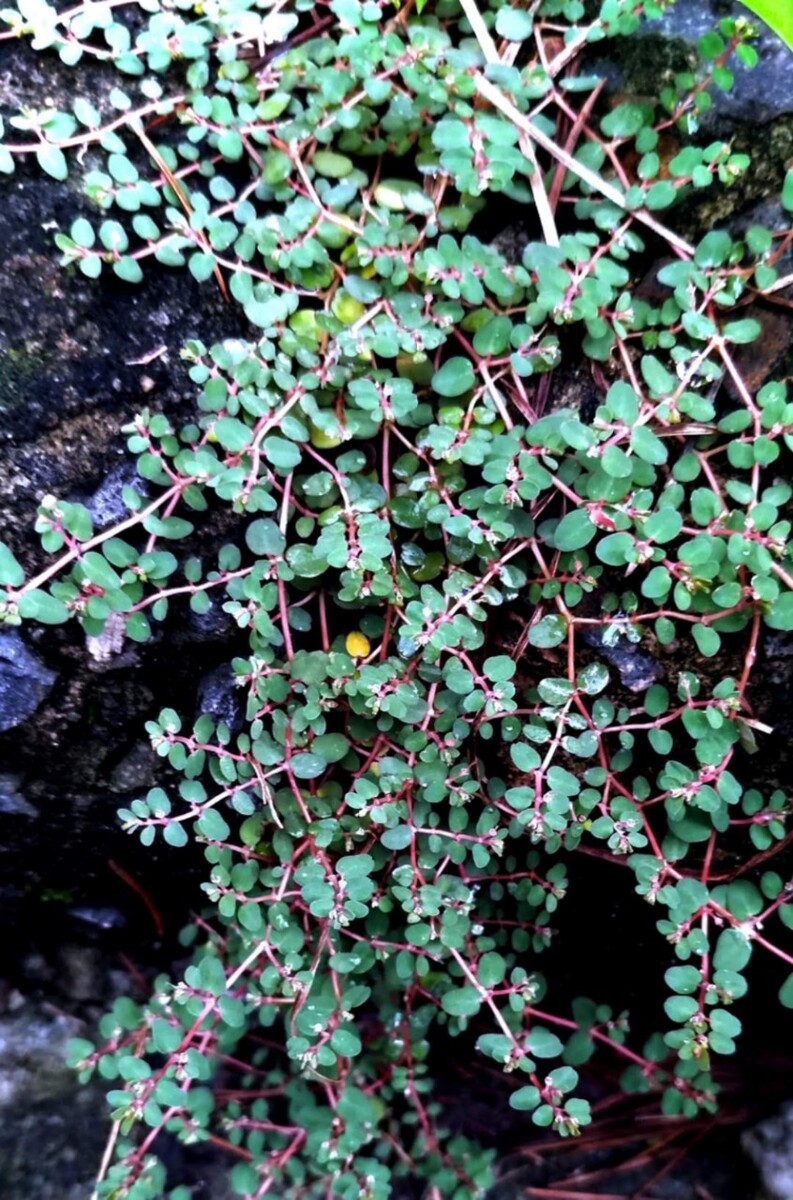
{"x": 751, "y": 93}
{"x": 219, "y": 696}
{"x": 52, "y": 1134}
{"x": 667, "y": 45}
{"x": 770, "y": 1147}
{"x": 106, "y": 504}
{"x": 12, "y": 801}
{"x": 24, "y": 680}
{"x": 78, "y": 357}
{"x": 637, "y": 670}
{"x": 68, "y": 373}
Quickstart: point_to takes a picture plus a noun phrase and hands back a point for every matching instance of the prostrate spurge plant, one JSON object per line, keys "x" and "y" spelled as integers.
{"x": 442, "y": 573}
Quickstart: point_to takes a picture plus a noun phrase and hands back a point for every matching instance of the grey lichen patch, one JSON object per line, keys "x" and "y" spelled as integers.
{"x": 110, "y": 642}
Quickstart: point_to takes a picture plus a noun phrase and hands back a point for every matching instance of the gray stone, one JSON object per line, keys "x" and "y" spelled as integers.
{"x": 750, "y": 97}
{"x": 100, "y": 916}
{"x": 770, "y": 214}
{"x": 24, "y": 680}
{"x": 36, "y": 969}
{"x": 219, "y": 697}
{"x": 80, "y": 975}
{"x": 12, "y": 802}
{"x": 135, "y": 771}
{"x": 51, "y": 1133}
{"x": 770, "y": 1147}
{"x": 214, "y": 625}
{"x": 33, "y": 1057}
{"x": 641, "y": 65}
{"x": 106, "y": 505}
{"x": 637, "y": 670}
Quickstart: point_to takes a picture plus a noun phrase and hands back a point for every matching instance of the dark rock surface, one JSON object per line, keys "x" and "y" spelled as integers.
{"x": 51, "y": 1136}
{"x": 135, "y": 772}
{"x": 76, "y": 354}
{"x": 219, "y": 697}
{"x": 770, "y": 1147}
{"x": 636, "y": 669}
{"x": 667, "y": 44}
{"x": 750, "y": 93}
{"x": 24, "y": 680}
{"x": 755, "y": 115}
{"x": 77, "y": 359}
{"x": 12, "y": 802}
{"x": 106, "y": 504}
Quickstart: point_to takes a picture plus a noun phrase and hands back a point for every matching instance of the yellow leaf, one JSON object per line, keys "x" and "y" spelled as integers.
{"x": 356, "y": 645}
{"x": 322, "y": 440}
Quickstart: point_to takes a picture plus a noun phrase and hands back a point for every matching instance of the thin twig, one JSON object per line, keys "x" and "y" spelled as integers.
{"x": 488, "y": 48}
{"x": 495, "y": 396}
{"x": 110, "y": 1146}
{"x": 181, "y": 196}
{"x": 497, "y": 98}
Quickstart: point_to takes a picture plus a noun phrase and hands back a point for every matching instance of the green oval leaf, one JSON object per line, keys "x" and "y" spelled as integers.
{"x": 462, "y": 1002}
{"x": 574, "y": 531}
{"x": 455, "y": 377}
{"x": 11, "y": 573}
{"x": 40, "y": 606}
{"x": 52, "y": 160}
